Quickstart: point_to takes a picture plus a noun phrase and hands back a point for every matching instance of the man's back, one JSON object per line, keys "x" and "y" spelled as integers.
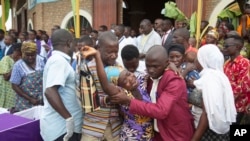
{"x": 53, "y": 124}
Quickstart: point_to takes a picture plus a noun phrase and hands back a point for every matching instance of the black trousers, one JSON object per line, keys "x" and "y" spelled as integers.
{"x": 75, "y": 137}
{"x": 238, "y": 118}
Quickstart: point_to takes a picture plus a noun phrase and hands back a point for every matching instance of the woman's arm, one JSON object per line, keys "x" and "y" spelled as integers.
{"x": 202, "y": 126}
{"x": 107, "y": 87}
{"x": 6, "y": 76}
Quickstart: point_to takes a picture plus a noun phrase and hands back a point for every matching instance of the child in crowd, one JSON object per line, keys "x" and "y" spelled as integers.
{"x": 192, "y": 42}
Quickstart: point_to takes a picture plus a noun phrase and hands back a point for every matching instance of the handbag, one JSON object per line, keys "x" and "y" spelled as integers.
{"x": 195, "y": 98}
{"x": 88, "y": 92}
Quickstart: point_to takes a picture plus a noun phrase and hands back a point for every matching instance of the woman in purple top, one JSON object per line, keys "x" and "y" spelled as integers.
{"x": 114, "y": 79}
{"x": 136, "y": 127}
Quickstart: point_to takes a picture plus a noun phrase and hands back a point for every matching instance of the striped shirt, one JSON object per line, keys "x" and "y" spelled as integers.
{"x": 95, "y": 123}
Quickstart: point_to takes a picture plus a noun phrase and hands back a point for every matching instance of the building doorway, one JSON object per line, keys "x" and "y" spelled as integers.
{"x": 136, "y": 10}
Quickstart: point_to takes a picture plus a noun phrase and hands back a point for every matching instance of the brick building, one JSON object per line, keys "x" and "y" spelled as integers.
{"x": 41, "y": 14}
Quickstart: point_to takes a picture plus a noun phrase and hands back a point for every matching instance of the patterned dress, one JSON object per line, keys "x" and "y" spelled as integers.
{"x": 7, "y": 95}
{"x": 29, "y": 80}
{"x": 136, "y": 127}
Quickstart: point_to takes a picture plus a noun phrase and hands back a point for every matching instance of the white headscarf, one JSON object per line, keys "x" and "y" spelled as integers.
{"x": 217, "y": 92}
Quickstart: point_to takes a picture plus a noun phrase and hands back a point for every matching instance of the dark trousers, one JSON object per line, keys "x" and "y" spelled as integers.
{"x": 75, "y": 137}
{"x": 238, "y": 118}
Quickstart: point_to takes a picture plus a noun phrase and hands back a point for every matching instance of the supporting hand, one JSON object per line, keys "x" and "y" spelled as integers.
{"x": 120, "y": 98}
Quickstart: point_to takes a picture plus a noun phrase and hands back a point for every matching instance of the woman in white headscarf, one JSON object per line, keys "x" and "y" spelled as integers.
{"x": 218, "y": 109}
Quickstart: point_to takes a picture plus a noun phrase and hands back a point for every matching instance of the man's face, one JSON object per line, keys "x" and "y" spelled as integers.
{"x": 32, "y": 36}
{"x": 131, "y": 65}
{"x": 155, "y": 67}
{"x": 109, "y": 53}
{"x": 126, "y": 32}
{"x": 22, "y": 38}
{"x": 7, "y": 40}
{"x": 177, "y": 38}
{"x": 165, "y": 26}
{"x": 117, "y": 31}
{"x": 145, "y": 28}
{"x": 157, "y": 23}
{"x": 230, "y": 47}
{"x": 93, "y": 35}
{"x": 133, "y": 33}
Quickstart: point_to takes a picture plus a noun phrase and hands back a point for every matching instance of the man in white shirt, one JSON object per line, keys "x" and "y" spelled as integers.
{"x": 123, "y": 41}
{"x": 148, "y": 38}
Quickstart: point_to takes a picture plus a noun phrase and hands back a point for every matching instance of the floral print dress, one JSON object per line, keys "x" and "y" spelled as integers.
{"x": 137, "y": 127}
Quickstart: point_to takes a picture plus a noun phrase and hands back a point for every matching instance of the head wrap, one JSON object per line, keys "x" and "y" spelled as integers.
{"x": 28, "y": 47}
{"x": 113, "y": 73}
{"x": 216, "y": 89}
{"x": 177, "y": 47}
{"x": 213, "y": 33}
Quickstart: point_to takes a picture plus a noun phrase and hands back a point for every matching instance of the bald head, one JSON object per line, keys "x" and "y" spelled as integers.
{"x": 183, "y": 32}
{"x": 146, "y": 22}
{"x": 106, "y": 37}
{"x": 156, "y": 61}
{"x": 157, "y": 52}
{"x": 61, "y": 37}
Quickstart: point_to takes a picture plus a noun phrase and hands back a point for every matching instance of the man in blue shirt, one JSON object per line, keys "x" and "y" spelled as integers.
{"x": 62, "y": 115}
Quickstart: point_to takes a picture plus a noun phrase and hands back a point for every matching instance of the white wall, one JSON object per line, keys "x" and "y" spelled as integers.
{"x": 220, "y": 6}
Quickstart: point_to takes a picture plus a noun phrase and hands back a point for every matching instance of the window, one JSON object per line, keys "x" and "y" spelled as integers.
{"x": 84, "y": 24}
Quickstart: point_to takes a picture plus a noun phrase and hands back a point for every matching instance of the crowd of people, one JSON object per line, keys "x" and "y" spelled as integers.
{"x": 113, "y": 84}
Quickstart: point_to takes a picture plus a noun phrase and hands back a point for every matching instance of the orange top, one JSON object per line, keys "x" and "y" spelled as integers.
{"x": 239, "y": 29}
{"x": 191, "y": 49}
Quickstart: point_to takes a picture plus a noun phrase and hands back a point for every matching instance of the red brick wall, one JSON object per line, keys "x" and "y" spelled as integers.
{"x": 49, "y": 14}
{"x": 209, "y": 7}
